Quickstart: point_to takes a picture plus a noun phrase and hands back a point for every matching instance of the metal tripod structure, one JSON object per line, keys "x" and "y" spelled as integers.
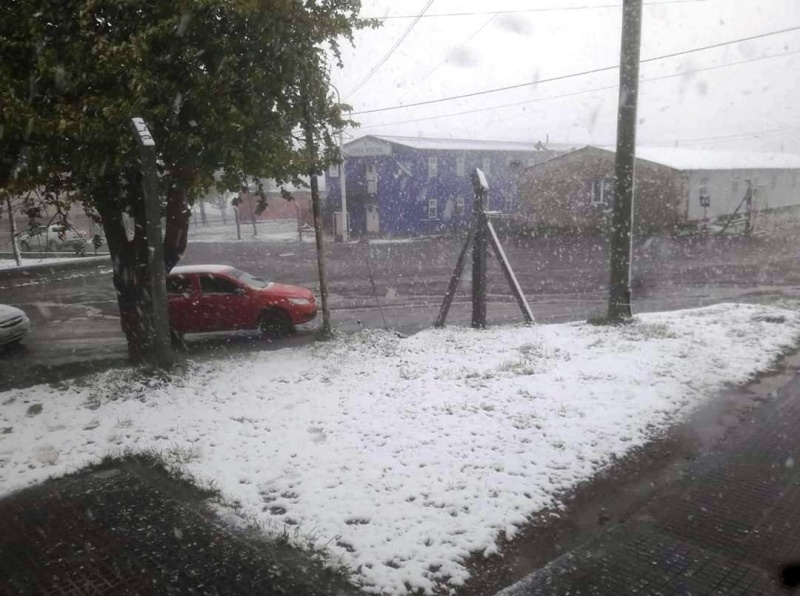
{"x": 481, "y": 234}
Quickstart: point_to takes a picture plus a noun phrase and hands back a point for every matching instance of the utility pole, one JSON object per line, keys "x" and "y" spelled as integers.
{"x": 326, "y": 331}
{"x": 342, "y": 178}
{"x": 619, "y": 298}
{"x": 479, "y": 250}
{"x": 159, "y": 331}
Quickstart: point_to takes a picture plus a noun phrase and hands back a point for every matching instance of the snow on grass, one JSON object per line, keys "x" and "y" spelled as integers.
{"x": 404, "y": 456}
{"x": 283, "y": 230}
{"x": 9, "y": 263}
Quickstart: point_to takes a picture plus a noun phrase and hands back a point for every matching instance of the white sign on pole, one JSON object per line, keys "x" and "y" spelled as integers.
{"x": 145, "y": 138}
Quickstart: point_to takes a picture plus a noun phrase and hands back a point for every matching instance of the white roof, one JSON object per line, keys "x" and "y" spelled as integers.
{"x": 697, "y": 159}
{"x": 188, "y": 269}
{"x": 459, "y": 144}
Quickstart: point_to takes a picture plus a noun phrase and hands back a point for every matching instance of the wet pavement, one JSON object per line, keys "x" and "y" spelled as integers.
{"x": 76, "y": 324}
{"x": 127, "y": 528}
{"x": 726, "y": 527}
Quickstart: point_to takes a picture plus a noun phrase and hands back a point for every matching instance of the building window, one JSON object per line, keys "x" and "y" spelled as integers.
{"x": 433, "y": 167}
{"x": 603, "y": 191}
{"x": 433, "y": 208}
{"x": 460, "y": 204}
{"x": 372, "y": 179}
{"x": 487, "y": 162}
{"x": 461, "y": 165}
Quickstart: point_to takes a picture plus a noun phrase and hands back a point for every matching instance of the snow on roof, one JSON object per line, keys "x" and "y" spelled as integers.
{"x": 460, "y": 144}
{"x": 697, "y": 159}
{"x": 189, "y": 269}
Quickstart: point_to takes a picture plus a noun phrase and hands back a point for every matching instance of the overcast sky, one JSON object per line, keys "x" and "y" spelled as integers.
{"x": 754, "y": 97}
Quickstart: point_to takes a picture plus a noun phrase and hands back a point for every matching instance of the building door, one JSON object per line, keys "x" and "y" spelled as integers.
{"x": 373, "y": 219}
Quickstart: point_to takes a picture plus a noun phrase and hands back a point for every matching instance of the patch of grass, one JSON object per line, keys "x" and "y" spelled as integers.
{"x": 640, "y": 331}
{"x": 604, "y": 321}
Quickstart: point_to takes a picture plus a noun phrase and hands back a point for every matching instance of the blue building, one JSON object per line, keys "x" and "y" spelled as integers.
{"x": 411, "y": 185}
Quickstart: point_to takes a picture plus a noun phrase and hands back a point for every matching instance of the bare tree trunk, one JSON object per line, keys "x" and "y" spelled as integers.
{"x": 13, "y": 226}
{"x": 203, "y": 216}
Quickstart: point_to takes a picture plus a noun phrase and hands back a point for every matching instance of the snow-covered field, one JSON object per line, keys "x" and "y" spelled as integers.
{"x": 403, "y": 456}
{"x": 268, "y": 231}
{"x": 8, "y": 263}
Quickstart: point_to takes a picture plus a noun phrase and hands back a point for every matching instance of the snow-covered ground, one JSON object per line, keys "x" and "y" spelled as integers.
{"x": 402, "y": 456}
{"x": 284, "y": 230}
{"x": 8, "y": 263}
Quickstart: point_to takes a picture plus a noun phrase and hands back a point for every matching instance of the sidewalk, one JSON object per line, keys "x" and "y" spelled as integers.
{"x": 726, "y": 528}
{"x": 127, "y": 528}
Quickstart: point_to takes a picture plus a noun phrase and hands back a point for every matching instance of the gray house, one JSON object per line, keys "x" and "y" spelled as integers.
{"x": 674, "y": 188}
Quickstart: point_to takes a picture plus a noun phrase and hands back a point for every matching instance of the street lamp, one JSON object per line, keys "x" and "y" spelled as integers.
{"x": 342, "y": 178}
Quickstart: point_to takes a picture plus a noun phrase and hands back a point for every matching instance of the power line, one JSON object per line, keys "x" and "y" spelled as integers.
{"x": 391, "y": 51}
{"x": 525, "y": 10}
{"x": 734, "y": 136}
{"x": 465, "y": 42}
{"x": 583, "y": 92}
{"x": 575, "y": 74}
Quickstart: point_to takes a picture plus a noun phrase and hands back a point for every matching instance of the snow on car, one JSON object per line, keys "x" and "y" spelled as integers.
{"x": 206, "y": 298}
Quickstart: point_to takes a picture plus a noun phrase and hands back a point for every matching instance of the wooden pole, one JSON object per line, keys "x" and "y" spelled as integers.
{"x": 454, "y": 279}
{"x": 326, "y": 331}
{"x": 619, "y": 299}
{"x": 479, "y": 250}
{"x": 505, "y": 265}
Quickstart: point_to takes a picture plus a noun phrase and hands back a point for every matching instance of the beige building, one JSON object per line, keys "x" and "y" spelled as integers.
{"x": 675, "y": 188}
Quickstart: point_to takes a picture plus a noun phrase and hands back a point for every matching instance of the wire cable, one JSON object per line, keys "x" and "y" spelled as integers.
{"x": 526, "y": 10}
{"x": 465, "y": 42}
{"x": 575, "y": 74}
{"x": 583, "y": 92}
{"x": 391, "y": 51}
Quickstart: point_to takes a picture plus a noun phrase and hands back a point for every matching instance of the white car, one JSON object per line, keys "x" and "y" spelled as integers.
{"x": 14, "y": 325}
{"x": 52, "y": 238}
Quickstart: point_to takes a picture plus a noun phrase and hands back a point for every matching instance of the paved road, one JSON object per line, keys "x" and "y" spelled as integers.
{"x": 76, "y": 321}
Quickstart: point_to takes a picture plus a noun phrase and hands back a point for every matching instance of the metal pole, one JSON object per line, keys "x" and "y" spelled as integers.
{"x": 479, "y": 251}
{"x": 343, "y": 178}
{"x": 619, "y": 298}
{"x": 164, "y": 356}
{"x": 238, "y": 225}
{"x": 326, "y": 330}
{"x": 13, "y": 226}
